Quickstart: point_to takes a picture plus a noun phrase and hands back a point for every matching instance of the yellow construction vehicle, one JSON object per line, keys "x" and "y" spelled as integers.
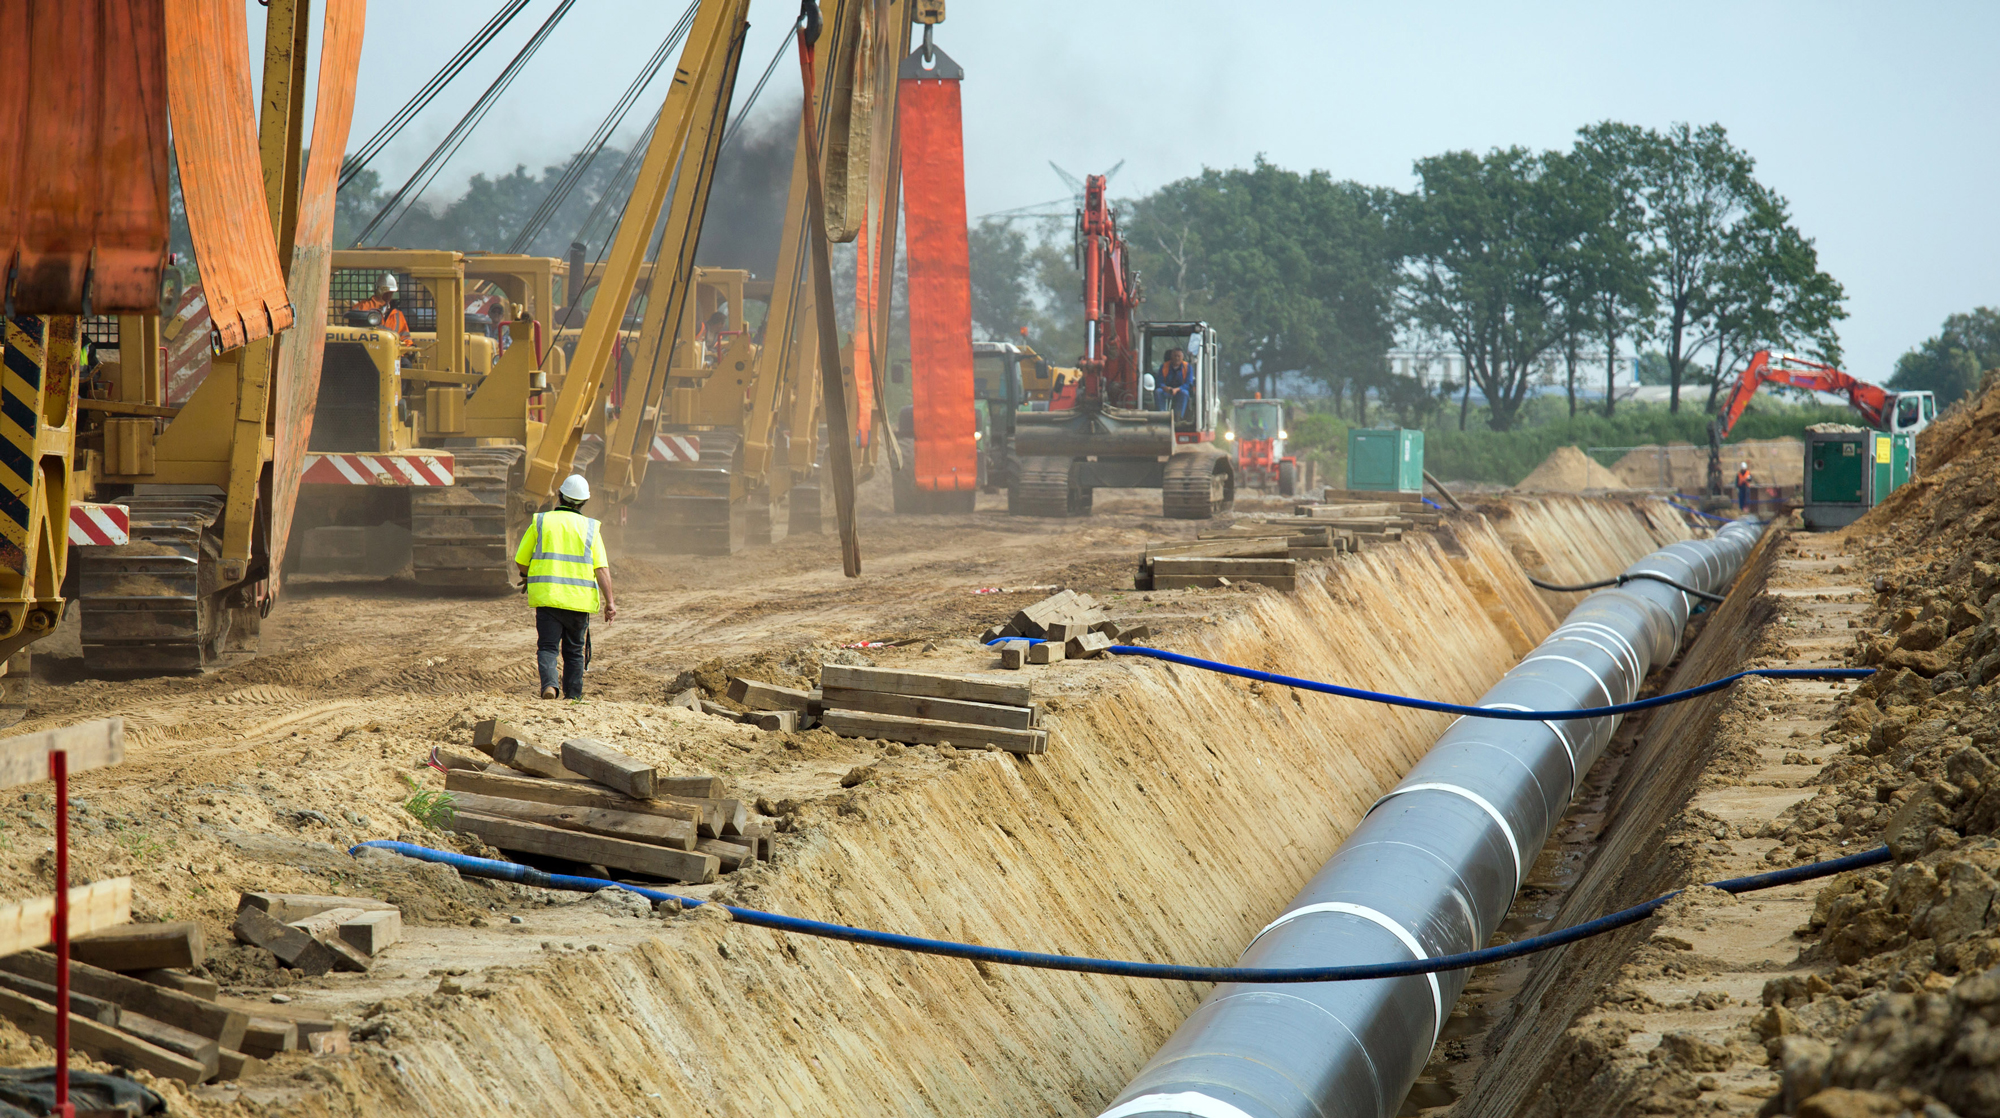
{"x": 200, "y": 493}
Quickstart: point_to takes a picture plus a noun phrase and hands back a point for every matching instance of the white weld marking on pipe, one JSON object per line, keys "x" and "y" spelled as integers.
{"x": 1374, "y": 917}
{"x": 1486, "y": 805}
{"x": 1192, "y": 1103}
{"x": 1687, "y": 603}
{"x": 1609, "y": 699}
{"x": 1555, "y": 728}
{"x": 1620, "y": 660}
{"x": 1638, "y": 673}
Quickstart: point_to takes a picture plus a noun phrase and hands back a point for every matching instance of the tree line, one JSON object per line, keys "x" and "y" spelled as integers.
{"x": 1518, "y": 260}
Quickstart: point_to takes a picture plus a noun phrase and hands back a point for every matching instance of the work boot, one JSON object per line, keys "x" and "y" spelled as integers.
{"x": 551, "y": 693}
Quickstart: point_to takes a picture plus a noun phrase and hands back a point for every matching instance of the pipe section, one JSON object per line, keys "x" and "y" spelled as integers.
{"x": 1431, "y": 871}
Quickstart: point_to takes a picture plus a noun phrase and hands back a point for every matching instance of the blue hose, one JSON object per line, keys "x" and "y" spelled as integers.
{"x": 509, "y": 871}
{"x": 1486, "y": 712}
{"x": 1698, "y": 512}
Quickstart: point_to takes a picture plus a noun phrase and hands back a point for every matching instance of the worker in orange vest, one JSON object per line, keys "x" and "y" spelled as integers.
{"x": 385, "y": 302}
{"x": 1744, "y": 480}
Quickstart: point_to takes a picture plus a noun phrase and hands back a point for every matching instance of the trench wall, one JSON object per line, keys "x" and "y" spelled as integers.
{"x": 1174, "y": 813}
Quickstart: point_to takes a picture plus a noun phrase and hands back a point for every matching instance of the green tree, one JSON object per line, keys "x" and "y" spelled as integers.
{"x": 1487, "y": 237}
{"x": 1949, "y": 364}
{"x": 1769, "y": 293}
{"x": 1614, "y": 249}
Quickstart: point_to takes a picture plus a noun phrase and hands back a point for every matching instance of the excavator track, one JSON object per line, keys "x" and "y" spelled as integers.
{"x": 1199, "y": 485}
{"x": 462, "y": 535}
{"x": 155, "y": 604}
{"x": 1049, "y": 486}
{"x": 690, "y": 510}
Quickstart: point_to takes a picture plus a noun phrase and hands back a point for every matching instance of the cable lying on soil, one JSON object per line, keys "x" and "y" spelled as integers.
{"x": 1622, "y": 579}
{"x": 1486, "y": 712}
{"x": 527, "y": 875}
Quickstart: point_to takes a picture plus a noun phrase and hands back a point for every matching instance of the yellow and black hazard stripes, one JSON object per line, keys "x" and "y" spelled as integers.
{"x": 23, "y": 356}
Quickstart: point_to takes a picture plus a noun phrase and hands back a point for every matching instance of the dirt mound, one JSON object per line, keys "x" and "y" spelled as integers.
{"x": 1569, "y": 470}
{"x": 1684, "y": 467}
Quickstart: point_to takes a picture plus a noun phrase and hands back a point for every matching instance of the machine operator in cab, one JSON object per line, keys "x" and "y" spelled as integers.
{"x": 567, "y": 575}
{"x": 384, "y": 301}
{"x": 1176, "y": 383}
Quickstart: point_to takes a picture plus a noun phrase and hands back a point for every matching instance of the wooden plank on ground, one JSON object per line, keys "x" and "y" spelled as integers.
{"x": 758, "y": 695}
{"x": 179, "y": 1041}
{"x": 635, "y": 857}
{"x": 236, "y": 1065}
{"x": 923, "y": 731}
{"x": 287, "y": 907}
{"x": 609, "y": 767}
{"x": 1349, "y": 496}
{"x": 926, "y": 684}
{"x": 204, "y": 988}
{"x": 700, "y": 787}
{"x": 1013, "y": 654}
{"x": 1230, "y": 567}
{"x": 729, "y": 854}
{"x": 568, "y": 794}
{"x": 1210, "y": 582}
{"x": 654, "y": 830}
{"x": 1253, "y": 547}
{"x": 97, "y": 1009}
{"x": 175, "y": 1008}
{"x": 142, "y": 947}
{"x": 942, "y": 710}
{"x": 92, "y": 908}
{"x": 294, "y": 947}
{"x": 90, "y": 745}
{"x": 371, "y": 933}
{"x": 268, "y": 1036}
{"x": 507, "y": 744}
{"x": 100, "y": 1041}
{"x": 325, "y": 927}
{"x": 1047, "y": 652}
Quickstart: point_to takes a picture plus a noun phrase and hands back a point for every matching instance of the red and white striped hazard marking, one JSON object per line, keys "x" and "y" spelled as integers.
{"x": 676, "y": 448}
{"x": 99, "y": 525}
{"x": 377, "y": 469}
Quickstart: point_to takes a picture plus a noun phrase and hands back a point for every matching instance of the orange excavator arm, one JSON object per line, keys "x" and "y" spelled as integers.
{"x": 1783, "y": 368}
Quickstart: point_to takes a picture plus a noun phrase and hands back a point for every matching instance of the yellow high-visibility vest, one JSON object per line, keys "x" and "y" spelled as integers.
{"x": 562, "y": 552}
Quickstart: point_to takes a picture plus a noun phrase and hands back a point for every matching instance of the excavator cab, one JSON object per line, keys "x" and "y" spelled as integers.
{"x": 1911, "y": 412}
{"x": 1195, "y": 341}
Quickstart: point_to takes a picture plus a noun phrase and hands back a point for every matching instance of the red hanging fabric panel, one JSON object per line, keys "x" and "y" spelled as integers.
{"x": 933, "y": 145}
{"x": 864, "y": 331}
{"x": 83, "y": 155}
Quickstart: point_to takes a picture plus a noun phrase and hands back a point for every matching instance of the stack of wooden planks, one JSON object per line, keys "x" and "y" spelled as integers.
{"x": 1379, "y": 519}
{"x": 134, "y": 1004}
{"x": 1063, "y": 626}
{"x": 600, "y": 807}
{"x": 919, "y": 708}
{"x": 1226, "y": 561}
{"x": 317, "y": 934}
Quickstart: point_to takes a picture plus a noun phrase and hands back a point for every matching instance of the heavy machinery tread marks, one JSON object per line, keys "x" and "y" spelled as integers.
{"x": 1198, "y": 486}
{"x": 148, "y": 605}
{"x": 1049, "y": 486}
{"x": 463, "y": 535}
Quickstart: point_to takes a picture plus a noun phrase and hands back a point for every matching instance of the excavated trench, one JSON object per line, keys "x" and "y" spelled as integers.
{"x": 1174, "y": 813}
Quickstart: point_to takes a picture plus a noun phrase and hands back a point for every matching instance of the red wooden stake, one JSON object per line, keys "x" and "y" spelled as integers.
{"x": 59, "y": 772}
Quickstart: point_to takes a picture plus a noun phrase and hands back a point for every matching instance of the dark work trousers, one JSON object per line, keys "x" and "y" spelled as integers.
{"x": 563, "y": 631}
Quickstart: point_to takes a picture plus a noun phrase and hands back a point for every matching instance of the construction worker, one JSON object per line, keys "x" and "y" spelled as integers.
{"x": 566, "y": 573}
{"x": 1176, "y": 381}
{"x": 385, "y": 301}
{"x": 1744, "y": 480}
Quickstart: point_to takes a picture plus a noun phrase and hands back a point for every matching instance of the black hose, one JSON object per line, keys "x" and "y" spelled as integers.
{"x": 1622, "y": 580}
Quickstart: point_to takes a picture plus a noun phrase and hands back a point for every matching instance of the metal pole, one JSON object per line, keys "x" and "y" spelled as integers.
{"x": 59, "y": 772}
{"x": 1431, "y": 870}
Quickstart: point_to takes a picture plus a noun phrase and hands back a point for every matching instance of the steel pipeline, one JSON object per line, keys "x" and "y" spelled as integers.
{"x": 1430, "y": 871}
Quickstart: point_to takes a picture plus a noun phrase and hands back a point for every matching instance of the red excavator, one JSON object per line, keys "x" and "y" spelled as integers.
{"x": 1117, "y": 430}
{"x": 1894, "y": 412}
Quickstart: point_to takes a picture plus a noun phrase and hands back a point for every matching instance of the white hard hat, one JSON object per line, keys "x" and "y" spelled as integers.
{"x": 1743, "y": 465}
{"x": 386, "y": 282}
{"x": 575, "y": 488}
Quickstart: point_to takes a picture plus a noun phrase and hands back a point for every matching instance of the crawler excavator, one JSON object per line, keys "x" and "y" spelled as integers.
{"x": 200, "y": 492}
{"x": 1105, "y": 435}
{"x": 1896, "y": 413}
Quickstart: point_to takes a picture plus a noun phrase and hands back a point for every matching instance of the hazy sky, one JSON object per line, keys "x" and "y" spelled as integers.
{"x": 1874, "y": 120}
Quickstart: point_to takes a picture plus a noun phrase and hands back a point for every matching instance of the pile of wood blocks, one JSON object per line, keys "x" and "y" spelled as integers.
{"x": 1067, "y": 625}
{"x": 591, "y": 804}
{"x": 915, "y": 708}
{"x": 134, "y": 1004}
{"x": 1267, "y": 556}
{"x": 1385, "y": 519}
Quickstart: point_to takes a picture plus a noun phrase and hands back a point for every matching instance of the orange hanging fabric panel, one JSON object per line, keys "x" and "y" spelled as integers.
{"x": 222, "y": 172}
{"x": 940, "y": 281}
{"x": 83, "y": 155}
{"x": 864, "y": 335}
{"x": 300, "y": 352}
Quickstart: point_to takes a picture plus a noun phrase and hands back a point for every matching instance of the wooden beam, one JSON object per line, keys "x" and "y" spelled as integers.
{"x": 92, "y": 908}
{"x": 942, "y": 710}
{"x": 923, "y": 731}
{"x": 175, "y": 1008}
{"x": 730, "y": 854}
{"x": 575, "y": 794}
{"x": 268, "y": 1036}
{"x": 1210, "y": 582}
{"x": 637, "y": 857}
{"x": 507, "y": 744}
{"x": 179, "y": 1041}
{"x": 372, "y": 933}
{"x": 607, "y": 766}
{"x": 1231, "y": 567}
{"x": 294, "y": 947}
{"x": 287, "y": 907}
{"x": 926, "y": 684}
{"x": 90, "y": 745}
{"x": 653, "y": 830}
{"x": 206, "y": 989}
{"x": 758, "y": 695}
{"x": 142, "y": 947}
{"x": 99, "y": 1041}
{"x": 699, "y": 787}
{"x": 97, "y": 1009}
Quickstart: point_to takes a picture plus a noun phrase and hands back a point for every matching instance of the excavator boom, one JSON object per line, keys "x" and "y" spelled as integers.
{"x": 1797, "y": 372}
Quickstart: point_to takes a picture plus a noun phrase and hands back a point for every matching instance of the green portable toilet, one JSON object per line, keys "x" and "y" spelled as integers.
{"x": 1903, "y": 460}
{"x": 1385, "y": 459}
{"x": 1882, "y": 463}
{"x": 1840, "y": 474}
